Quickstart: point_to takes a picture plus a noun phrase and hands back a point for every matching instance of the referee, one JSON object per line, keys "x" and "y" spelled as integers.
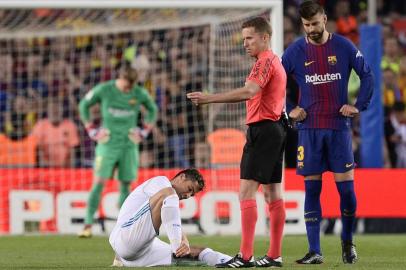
{"x": 261, "y": 164}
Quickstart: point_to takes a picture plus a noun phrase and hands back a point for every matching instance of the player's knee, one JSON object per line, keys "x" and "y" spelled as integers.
{"x": 313, "y": 188}
{"x": 273, "y": 198}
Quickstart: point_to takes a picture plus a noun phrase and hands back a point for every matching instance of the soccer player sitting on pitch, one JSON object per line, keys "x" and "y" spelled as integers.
{"x": 321, "y": 64}
{"x": 155, "y": 202}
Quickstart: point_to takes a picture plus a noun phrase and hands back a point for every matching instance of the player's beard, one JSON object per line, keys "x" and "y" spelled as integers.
{"x": 316, "y": 36}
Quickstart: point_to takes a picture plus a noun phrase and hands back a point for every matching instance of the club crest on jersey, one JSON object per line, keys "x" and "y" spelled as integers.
{"x": 132, "y": 101}
{"x": 332, "y": 59}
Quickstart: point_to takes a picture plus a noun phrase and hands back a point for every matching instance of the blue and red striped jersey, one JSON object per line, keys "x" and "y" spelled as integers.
{"x": 322, "y": 73}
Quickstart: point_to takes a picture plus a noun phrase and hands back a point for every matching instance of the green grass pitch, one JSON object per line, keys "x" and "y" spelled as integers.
{"x": 70, "y": 252}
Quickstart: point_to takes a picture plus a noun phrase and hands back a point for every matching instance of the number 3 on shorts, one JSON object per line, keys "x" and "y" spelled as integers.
{"x": 300, "y": 153}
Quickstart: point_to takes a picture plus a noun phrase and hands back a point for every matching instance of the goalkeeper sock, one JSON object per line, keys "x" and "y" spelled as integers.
{"x": 277, "y": 216}
{"x": 170, "y": 216}
{"x": 124, "y": 191}
{"x": 249, "y": 217}
{"x": 93, "y": 202}
{"x": 211, "y": 257}
{"x": 348, "y": 206}
{"x": 312, "y": 214}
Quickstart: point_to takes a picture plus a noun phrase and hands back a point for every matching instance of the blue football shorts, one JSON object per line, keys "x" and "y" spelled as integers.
{"x": 321, "y": 150}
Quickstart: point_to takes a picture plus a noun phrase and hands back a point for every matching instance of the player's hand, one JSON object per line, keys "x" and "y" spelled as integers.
{"x": 298, "y": 114}
{"x": 198, "y": 98}
{"x": 183, "y": 249}
{"x": 98, "y": 134}
{"x": 349, "y": 110}
{"x": 136, "y": 135}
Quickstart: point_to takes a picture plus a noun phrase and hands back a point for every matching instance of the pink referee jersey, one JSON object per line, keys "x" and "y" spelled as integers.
{"x": 269, "y": 102}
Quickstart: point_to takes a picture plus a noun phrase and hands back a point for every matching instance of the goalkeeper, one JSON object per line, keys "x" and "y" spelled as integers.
{"x": 118, "y": 136}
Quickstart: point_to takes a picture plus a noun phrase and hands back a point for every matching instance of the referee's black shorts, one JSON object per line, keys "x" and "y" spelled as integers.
{"x": 262, "y": 158}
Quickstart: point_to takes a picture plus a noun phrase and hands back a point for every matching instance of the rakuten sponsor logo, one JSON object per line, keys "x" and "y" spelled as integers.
{"x": 326, "y": 78}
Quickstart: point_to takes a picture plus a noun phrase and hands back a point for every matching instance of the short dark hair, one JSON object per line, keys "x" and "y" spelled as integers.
{"x": 310, "y": 8}
{"x": 194, "y": 176}
{"x": 260, "y": 25}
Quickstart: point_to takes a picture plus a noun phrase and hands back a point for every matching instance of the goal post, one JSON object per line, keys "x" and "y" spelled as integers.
{"x": 54, "y": 52}
{"x": 275, "y": 6}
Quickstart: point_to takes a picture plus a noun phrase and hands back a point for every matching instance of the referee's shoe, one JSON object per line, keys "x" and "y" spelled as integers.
{"x": 267, "y": 261}
{"x": 237, "y": 262}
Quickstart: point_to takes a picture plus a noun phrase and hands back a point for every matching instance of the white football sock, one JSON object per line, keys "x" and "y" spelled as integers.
{"x": 170, "y": 215}
{"x": 211, "y": 257}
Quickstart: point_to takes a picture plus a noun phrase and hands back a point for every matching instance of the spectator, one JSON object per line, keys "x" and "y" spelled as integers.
{"x": 57, "y": 137}
{"x": 398, "y": 121}
{"x": 402, "y": 76}
{"x": 391, "y": 56}
{"x": 20, "y": 120}
{"x": 6, "y": 76}
{"x": 391, "y": 90}
{"x": 177, "y": 133}
{"x": 346, "y": 24}
{"x": 17, "y": 145}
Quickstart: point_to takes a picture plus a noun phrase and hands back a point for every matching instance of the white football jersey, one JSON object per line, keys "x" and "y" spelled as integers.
{"x": 134, "y": 237}
{"x": 139, "y": 196}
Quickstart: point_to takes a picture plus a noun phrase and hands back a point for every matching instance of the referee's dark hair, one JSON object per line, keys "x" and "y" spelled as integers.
{"x": 193, "y": 175}
{"x": 310, "y": 8}
{"x": 260, "y": 24}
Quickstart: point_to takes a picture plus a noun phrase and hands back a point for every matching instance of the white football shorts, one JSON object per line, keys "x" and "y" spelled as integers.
{"x": 135, "y": 241}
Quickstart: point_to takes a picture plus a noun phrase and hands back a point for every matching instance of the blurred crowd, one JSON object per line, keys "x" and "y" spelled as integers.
{"x": 42, "y": 80}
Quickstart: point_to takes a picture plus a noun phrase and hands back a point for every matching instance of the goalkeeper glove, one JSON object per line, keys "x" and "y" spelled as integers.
{"x": 136, "y": 135}
{"x": 98, "y": 134}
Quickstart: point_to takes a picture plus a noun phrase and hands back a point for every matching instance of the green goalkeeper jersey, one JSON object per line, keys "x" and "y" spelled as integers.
{"x": 119, "y": 111}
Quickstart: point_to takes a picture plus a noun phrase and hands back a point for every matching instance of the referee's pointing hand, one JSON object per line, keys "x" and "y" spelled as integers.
{"x": 198, "y": 98}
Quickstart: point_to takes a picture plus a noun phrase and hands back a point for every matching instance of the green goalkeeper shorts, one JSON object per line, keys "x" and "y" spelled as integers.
{"x": 122, "y": 159}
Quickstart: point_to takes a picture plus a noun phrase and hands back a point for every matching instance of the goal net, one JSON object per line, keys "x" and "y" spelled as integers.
{"x": 51, "y": 57}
